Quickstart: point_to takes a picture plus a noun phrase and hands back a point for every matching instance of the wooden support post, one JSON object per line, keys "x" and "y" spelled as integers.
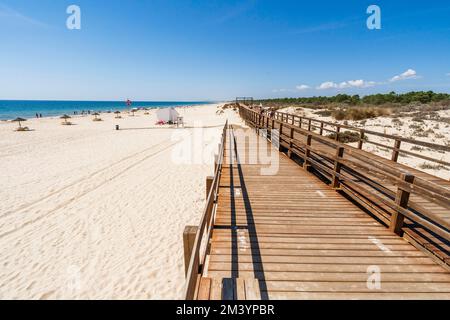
{"x": 338, "y": 130}
{"x": 396, "y": 150}
{"x": 361, "y": 140}
{"x": 307, "y": 152}
{"x": 309, "y": 125}
{"x": 401, "y": 199}
{"x": 293, "y": 119}
{"x": 209, "y": 181}
{"x": 337, "y": 167}
{"x": 280, "y": 132}
{"x": 321, "y": 128}
{"x": 216, "y": 164}
{"x": 291, "y": 136}
{"x": 300, "y": 122}
{"x": 188, "y": 243}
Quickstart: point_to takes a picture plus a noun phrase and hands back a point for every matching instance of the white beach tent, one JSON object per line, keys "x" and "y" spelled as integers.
{"x": 167, "y": 114}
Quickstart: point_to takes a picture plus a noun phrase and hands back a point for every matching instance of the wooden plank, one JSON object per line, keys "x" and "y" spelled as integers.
{"x": 252, "y": 290}
{"x": 316, "y": 286}
{"x": 240, "y": 289}
{"x": 277, "y": 295}
{"x": 243, "y": 251}
{"x": 289, "y": 268}
{"x": 216, "y": 289}
{"x": 339, "y": 276}
{"x": 204, "y": 289}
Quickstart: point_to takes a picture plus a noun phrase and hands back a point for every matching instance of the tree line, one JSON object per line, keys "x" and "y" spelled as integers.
{"x": 374, "y": 99}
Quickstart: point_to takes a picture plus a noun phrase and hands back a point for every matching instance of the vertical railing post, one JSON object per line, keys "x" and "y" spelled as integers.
{"x": 396, "y": 150}
{"x": 321, "y": 128}
{"x": 280, "y": 132}
{"x": 209, "y": 185}
{"x": 338, "y": 130}
{"x": 216, "y": 162}
{"x": 309, "y": 125}
{"x": 300, "y": 122}
{"x": 188, "y": 243}
{"x": 307, "y": 151}
{"x": 337, "y": 167}
{"x": 209, "y": 181}
{"x": 401, "y": 199}
{"x": 361, "y": 139}
{"x": 291, "y": 137}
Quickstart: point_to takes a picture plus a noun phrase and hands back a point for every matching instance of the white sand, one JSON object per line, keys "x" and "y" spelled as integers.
{"x": 87, "y": 212}
{"x": 435, "y": 131}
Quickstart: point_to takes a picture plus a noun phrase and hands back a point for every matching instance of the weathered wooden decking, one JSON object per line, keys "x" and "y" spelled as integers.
{"x": 377, "y": 176}
{"x": 291, "y": 236}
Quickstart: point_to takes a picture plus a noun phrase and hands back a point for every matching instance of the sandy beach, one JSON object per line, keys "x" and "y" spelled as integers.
{"x": 88, "y": 212}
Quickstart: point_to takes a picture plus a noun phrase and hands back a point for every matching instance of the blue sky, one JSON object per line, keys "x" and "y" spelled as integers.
{"x": 216, "y": 50}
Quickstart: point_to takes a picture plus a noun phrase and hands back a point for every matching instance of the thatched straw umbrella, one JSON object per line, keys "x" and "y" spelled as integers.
{"x": 95, "y": 116}
{"x": 19, "y": 120}
{"x": 133, "y": 111}
{"x": 117, "y": 114}
{"x": 65, "y": 117}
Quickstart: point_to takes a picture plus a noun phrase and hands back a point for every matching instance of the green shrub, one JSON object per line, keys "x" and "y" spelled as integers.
{"x": 347, "y": 136}
{"x": 360, "y": 113}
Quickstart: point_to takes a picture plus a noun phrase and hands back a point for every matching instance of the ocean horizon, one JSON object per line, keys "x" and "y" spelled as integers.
{"x": 11, "y": 109}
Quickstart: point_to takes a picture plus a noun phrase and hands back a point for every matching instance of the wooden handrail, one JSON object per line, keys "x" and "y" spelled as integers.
{"x": 388, "y": 136}
{"x": 341, "y": 171}
{"x": 364, "y": 133}
{"x": 205, "y": 225}
{"x": 360, "y": 153}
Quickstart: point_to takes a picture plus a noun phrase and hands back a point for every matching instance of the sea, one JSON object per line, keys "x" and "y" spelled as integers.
{"x": 11, "y": 109}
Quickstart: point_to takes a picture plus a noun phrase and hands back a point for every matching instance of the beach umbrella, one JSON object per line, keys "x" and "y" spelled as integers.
{"x": 65, "y": 117}
{"x": 117, "y": 113}
{"x": 133, "y": 111}
{"x": 19, "y": 120}
{"x": 96, "y": 114}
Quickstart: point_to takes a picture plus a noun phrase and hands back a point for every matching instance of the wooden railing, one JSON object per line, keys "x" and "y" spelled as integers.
{"x": 383, "y": 189}
{"x": 197, "y": 252}
{"x": 323, "y": 127}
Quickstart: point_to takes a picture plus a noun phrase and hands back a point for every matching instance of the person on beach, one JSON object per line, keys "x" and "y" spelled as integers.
{"x": 37, "y": 116}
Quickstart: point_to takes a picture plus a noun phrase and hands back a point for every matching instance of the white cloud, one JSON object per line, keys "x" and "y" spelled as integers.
{"x": 448, "y": 74}
{"x": 356, "y": 84}
{"x": 280, "y": 90}
{"x": 346, "y": 84}
{"x": 327, "y": 85}
{"x": 408, "y": 74}
{"x": 302, "y": 87}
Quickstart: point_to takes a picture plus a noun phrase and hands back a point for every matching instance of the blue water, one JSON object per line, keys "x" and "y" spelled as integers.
{"x": 11, "y": 109}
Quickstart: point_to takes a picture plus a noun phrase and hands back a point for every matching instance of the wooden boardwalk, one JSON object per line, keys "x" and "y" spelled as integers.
{"x": 292, "y": 236}
{"x": 372, "y": 181}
